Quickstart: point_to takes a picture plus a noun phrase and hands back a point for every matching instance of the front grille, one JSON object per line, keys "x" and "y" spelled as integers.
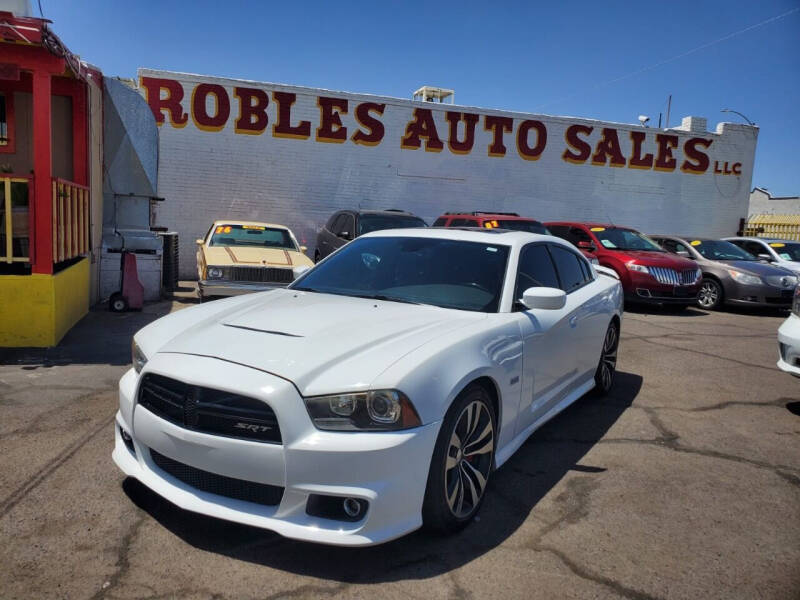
{"x": 259, "y": 274}
{"x": 209, "y": 411}
{"x": 249, "y": 491}
{"x": 673, "y": 277}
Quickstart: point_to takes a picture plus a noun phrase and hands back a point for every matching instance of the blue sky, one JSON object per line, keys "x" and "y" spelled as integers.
{"x": 565, "y": 58}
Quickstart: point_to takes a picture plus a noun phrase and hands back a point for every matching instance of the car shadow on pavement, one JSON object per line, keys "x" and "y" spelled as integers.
{"x": 666, "y": 309}
{"x": 514, "y": 491}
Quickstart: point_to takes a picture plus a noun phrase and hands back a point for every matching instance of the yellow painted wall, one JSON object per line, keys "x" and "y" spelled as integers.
{"x": 37, "y": 310}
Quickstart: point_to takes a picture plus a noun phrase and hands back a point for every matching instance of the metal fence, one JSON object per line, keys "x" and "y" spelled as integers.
{"x": 785, "y": 227}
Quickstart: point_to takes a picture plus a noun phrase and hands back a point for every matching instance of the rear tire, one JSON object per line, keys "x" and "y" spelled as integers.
{"x": 607, "y": 367}
{"x": 463, "y": 459}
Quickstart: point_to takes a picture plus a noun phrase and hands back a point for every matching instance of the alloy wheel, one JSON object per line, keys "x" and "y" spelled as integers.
{"x": 469, "y": 459}
{"x": 709, "y": 294}
{"x": 608, "y": 359}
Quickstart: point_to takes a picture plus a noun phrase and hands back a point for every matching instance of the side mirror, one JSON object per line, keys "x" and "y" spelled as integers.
{"x": 303, "y": 248}
{"x": 199, "y": 242}
{"x": 683, "y": 253}
{"x": 766, "y": 257}
{"x": 545, "y": 298}
{"x": 589, "y": 246}
{"x": 345, "y": 235}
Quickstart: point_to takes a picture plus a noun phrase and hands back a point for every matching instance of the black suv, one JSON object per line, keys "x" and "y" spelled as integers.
{"x": 346, "y": 225}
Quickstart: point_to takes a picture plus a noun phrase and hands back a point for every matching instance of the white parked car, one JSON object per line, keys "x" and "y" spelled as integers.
{"x": 781, "y": 253}
{"x": 377, "y": 392}
{"x": 789, "y": 339}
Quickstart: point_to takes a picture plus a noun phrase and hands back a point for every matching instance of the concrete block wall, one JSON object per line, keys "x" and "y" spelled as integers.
{"x": 209, "y": 170}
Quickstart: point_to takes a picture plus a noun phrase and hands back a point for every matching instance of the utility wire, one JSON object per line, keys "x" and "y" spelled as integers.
{"x": 676, "y": 57}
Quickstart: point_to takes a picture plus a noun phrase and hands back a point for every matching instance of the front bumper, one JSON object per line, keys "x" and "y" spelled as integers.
{"x": 758, "y": 295}
{"x": 218, "y": 287}
{"x": 789, "y": 345}
{"x": 387, "y": 469}
{"x": 643, "y": 288}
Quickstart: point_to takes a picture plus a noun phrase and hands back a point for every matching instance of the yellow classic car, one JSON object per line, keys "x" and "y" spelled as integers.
{"x": 239, "y": 257}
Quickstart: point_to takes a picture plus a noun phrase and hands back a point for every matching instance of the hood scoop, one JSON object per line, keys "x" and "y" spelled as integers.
{"x": 294, "y": 335}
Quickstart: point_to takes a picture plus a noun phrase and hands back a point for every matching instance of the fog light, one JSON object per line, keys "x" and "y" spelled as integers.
{"x": 352, "y": 507}
{"x": 127, "y": 440}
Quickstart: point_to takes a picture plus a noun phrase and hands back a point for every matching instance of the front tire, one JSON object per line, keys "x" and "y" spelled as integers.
{"x": 607, "y": 368}
{"x": 463, "y": 459}
{"x": 710, "y": 295}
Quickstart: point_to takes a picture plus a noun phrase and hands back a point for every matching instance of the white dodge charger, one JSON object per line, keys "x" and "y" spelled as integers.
{"x": 375, "y": 394}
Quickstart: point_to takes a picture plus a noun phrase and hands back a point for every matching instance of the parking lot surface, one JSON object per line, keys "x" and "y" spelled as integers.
{"x": 684, "y": 483}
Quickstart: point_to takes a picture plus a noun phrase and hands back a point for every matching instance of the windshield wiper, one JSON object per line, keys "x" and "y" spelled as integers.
{"x": 385, "y": 297}
{"x": 304, "y": 289}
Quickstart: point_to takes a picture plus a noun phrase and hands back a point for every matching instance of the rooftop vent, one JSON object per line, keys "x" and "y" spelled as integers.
{"x": 429, "y": 93}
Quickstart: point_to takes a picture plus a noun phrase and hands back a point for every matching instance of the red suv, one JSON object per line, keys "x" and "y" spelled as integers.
{"x": 647, "y": 272}
{"x": 490, "y": 220}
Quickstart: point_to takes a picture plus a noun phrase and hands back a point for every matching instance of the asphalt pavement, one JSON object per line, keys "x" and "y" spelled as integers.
{"x": 684, "y": 483}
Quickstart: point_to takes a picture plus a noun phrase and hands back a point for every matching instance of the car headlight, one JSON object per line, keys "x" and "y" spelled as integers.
{"x": 698, "y": 275}
{"x": 632, "y": 266}
{"x": 376, "y": 409}
{"x": 137, "y": 357}
{"x": 214, "y": 273}
{"x": 796, "y": 302}
{"x": 744, "y": 278}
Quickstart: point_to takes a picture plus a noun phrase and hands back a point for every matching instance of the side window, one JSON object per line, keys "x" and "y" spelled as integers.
{"x": 348, "y": 225}
{"x": 668, "y": 245}
{"x": 535, "y": 269}
{"x": 439, "y": 222}
{"x": 755, "y": 248}
{"x": 570, "y": 271}
{"x": 461, "y": 223}
{"x": 559, "y": 231}
{"x": 7, "y": 137}
{"x": 681, "y": 248}
{"x": 576, "y": 234}
{"x": 337, "y": 223}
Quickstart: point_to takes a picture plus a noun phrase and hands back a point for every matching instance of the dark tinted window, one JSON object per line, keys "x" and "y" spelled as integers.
{"x": 755, "y": 248}
{"x": 569, "y": 268}
{"x": 367, "y": 223}
{"x": 519, "y": 225}
{"x": 348, "y": 225}
{"x": 559, "y": 231}
{"x": 446, "y": 273}
{"x": 439, "y": 222}
{"x": 463, "y": 223}
{"x": 336, "y": 225}
{"x": 576, "y": 234}
{"x": 535, "y": 269}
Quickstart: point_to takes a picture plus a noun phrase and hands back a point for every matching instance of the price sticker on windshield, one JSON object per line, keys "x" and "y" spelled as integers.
{"x": 777, "y": 245}
{"x": 256, "y": 227}
{"x": 695, "y": 242}
{"x": 598, "y": 228}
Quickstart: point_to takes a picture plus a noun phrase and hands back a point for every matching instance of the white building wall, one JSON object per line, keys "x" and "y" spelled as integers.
{"x": 763, "y": 203}
{"x": 207, "y": 175}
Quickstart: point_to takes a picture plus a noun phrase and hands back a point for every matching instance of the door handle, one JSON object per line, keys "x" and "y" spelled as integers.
{"x": 573, "y": 320}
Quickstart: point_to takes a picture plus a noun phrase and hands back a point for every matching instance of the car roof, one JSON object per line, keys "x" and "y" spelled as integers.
{"x": 589, "y": 225}
{"x": 488, "y": 217}
{"x": 256, "y": 223}
{"x": 389, "y": 213}
{"x": 504, "y": 237}
{"x": 684, "y": 237}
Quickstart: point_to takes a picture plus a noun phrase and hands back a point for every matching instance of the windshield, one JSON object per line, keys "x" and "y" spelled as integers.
{"x": 720, "y": 250}
{"x": 252, "y": 235}
{"x": 519, "y": 225}
{"x": 367, "y": 223}
{"x": 446, "y": 273}
{"x": 786, "y": 250}
{"x": 614, "y": 238}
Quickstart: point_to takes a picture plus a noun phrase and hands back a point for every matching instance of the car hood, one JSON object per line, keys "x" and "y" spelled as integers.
{"x": 240, "y": 255}
{"x": 322, "y": 343}
{"x": 755, "y": 267}
{"x": 660, "y": 259}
